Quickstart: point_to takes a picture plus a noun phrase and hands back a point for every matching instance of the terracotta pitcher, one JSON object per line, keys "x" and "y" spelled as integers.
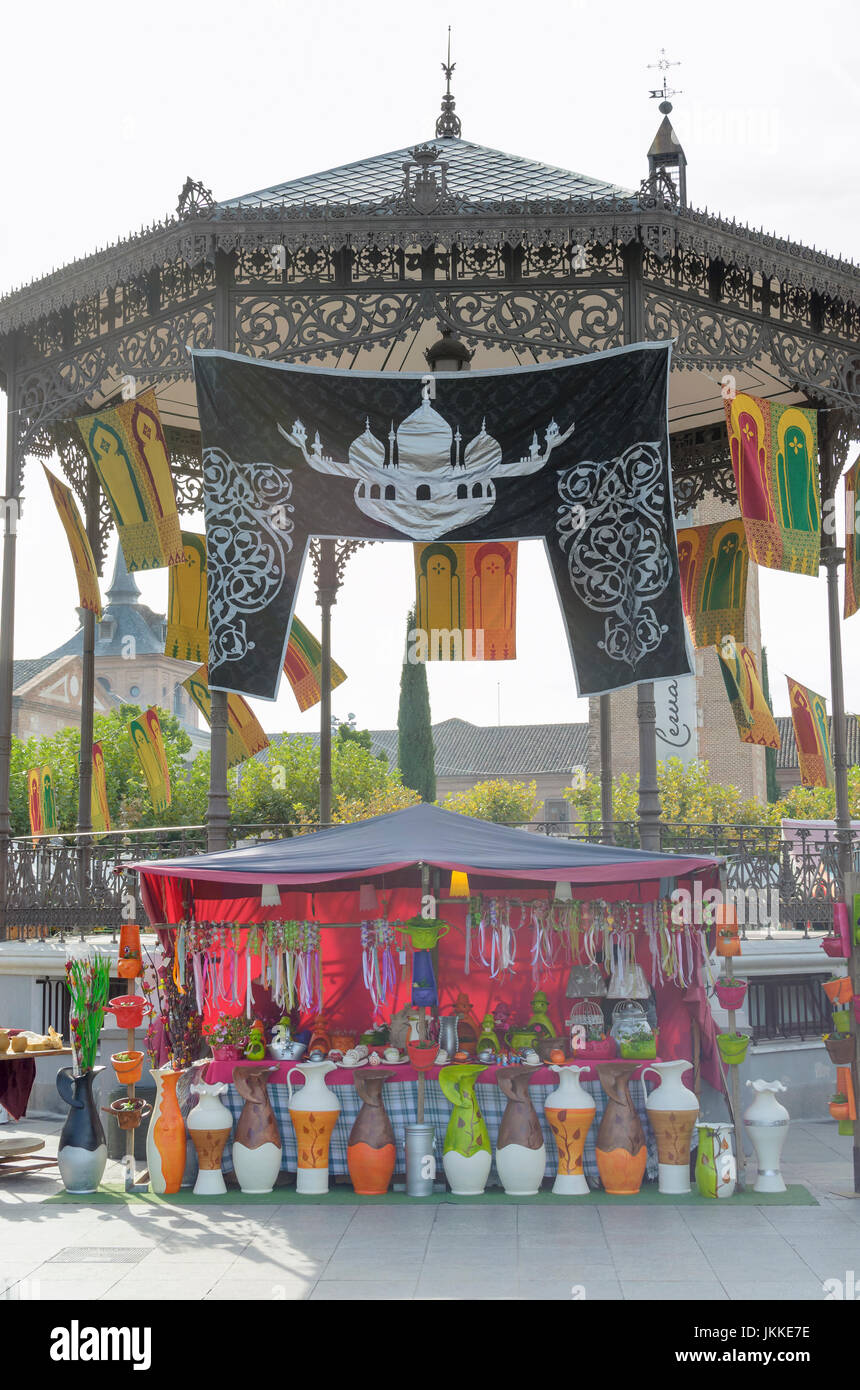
{"x": 520, "y": 1149}
{"x": 370, "y": 1153}
{"x": 621, "y": 1151}
{"x": 257, "y": 1146}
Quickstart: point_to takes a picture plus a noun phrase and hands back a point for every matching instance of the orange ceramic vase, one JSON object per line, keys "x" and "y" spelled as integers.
{"x": 165, "y": 1138}
{"x": 620, "y": 1146}
{"x": 371, "y": 1153}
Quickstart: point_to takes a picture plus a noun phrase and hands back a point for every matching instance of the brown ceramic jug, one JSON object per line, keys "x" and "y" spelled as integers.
{"x": 520, "y": 1148}
{"x": 620, "y": 1145}
{"x": 371, "y": 1152}
{"x": 257, "y": 1145}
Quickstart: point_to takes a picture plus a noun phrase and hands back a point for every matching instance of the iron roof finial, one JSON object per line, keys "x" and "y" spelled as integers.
{"x": 448, "y": 123}
{"x": 663, "y": 64}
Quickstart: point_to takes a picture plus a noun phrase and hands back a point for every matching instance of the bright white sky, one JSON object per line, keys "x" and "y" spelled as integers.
{"x": 106, "y": 111}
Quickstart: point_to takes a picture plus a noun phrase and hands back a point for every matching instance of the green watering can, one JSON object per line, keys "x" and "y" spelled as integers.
{"x": 424, "y": 932}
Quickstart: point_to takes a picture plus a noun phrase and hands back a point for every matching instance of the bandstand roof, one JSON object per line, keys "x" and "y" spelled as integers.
{"x": 476, "y": 170}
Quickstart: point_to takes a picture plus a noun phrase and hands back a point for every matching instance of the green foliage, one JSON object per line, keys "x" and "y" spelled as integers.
{"x": 769, "y": 753}
{"x": 416, "y": 754}
{"x": 506, "y": 803}
{"x": 288, "y": 789}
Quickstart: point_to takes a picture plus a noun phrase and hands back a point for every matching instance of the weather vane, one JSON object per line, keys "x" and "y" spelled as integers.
{"x": 448, "y": 124}
{"x": 663, "y": 64}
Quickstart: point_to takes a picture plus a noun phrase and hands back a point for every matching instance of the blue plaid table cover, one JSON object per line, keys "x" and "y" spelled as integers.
{"x": 401, "y": 1098}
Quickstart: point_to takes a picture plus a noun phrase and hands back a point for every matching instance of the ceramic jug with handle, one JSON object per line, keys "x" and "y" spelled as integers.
{"x": 672, "y": 1110}
{"x": 314, "y": 1111}
{"x": 82, "y": 1151}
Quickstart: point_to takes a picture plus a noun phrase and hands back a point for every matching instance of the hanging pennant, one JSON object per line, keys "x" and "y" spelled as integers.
{"x": 245, "y": 736}
{"x": 34, "y": 800}
{"x": 129, "y": 453}
{"x": 753, "y": 718}
{"x": 100, "y": 810}
{"x": 86, "y": 572}
{"x": 774, "y": 452}
{"x": 49, "y": 804}
{"x": 811, "y": 735}
{"x": 714, "y": 561}
{"x": 303, "y": 666}
{"x": 466, "y": 601}
{"x": 187, "y": 635}
{"x": 145, "y": 734}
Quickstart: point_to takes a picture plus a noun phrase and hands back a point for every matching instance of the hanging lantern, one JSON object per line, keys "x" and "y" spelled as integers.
{"x": 270, "y": 895}
{"x": 367, "y": 899}
{"x": 563, "y": 893}
{"x": 459, "y": 884}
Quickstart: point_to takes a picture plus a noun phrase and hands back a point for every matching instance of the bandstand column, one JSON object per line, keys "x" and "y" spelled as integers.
{"x": 327, "y": 587}
{"x": 7, "y": 628}
{"x": 218, "y": 805}
{"x": 88, "y": 623}
{"x": 607, "y": 830}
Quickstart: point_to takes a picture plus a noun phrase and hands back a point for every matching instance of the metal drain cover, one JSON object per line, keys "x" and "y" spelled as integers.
{"x": 100, "y": 1254}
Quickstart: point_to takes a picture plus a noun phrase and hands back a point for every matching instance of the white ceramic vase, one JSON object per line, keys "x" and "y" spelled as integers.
{"x": 570, "y": 1113}
{"x": 767, "y": 1123}
{"x": 672, "y": 1110}
{"x": 209, "y": 1125}
{"x": 467, "y": 1173}
{"x": 314, "y": 1110}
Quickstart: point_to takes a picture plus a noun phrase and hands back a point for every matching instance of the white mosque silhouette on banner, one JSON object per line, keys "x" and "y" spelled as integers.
{"x": 421, "y": 484}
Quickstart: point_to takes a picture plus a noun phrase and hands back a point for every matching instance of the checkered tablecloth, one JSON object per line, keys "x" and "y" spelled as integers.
{"x": 400, "y": 1101}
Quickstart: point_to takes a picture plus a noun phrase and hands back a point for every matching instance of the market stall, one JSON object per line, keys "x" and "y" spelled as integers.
{"x": 493, "y": 951}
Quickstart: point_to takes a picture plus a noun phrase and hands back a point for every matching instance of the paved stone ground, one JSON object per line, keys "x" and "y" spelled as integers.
{"x": 468, "y": 1252}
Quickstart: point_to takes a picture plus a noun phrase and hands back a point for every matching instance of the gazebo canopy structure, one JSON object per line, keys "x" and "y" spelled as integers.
{"x": 364, "y": 265}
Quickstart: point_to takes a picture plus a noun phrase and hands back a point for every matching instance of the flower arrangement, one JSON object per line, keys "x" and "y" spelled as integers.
{"x": 230, "y": 1030}
{"x": 88, "y": 983}
{"x": 175, "y": 1021}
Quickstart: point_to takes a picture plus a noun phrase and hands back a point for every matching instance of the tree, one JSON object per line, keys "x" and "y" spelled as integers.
{"x": 416, "y": 754}
{"x": 769, "y": 753}
{"x": 688, "y": 796}
{"x": 506, "y": 803}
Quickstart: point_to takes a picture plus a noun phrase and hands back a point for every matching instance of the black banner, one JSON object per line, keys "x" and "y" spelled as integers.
{"x": 575, "y": 453}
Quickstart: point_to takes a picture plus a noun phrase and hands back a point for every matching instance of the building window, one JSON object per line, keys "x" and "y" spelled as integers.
{"x": 423, "y": 493}
{"x": 476, "y": 490}
{"x": 390, "y": 494}
{"x": 135, "y": 690}
{"x": 56, "y": 1002}
{"x": 788, "y": 1006}
{"x": 375, "y": 491}
{"x": 462, "y": 491}
{"x": 557, "y": 811}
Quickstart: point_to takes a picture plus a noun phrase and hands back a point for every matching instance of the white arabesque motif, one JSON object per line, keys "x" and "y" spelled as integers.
{"x": 423, "y": 482}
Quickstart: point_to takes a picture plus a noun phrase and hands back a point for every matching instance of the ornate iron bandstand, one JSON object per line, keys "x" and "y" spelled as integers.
{"x": 366, "y": 265}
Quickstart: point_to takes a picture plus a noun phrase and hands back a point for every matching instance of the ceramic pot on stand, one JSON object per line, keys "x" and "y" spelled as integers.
{"x": 466, "y": 1153}
{"x": 370, "y": 1152}
{"x": 673, "y": 1110}
{"x": 767, "y": 1123}
{"x": 165, "y": 1138}
{"x": 209, "y": 1125}
{"x": 257, "y": 1145}
{"x": 313, "y": 1110}
{"x": 82, "y": 1152}
{"x": 570, "y": 1114}
{"x": 621, "y": 1151}
{"x": 520, "y": 1149}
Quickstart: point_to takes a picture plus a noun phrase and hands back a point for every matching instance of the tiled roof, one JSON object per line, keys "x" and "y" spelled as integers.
{"x": 474, "y": 171}
{"x": 787, "y": 755}
{"x": 26, "y": 669}
{"x": 507, "y": 750}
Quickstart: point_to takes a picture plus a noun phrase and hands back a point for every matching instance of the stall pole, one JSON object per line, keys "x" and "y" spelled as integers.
{"x": 607, "y": 832}
{"x": 130, "y": 1133}
{"x": 734, "y": 1081}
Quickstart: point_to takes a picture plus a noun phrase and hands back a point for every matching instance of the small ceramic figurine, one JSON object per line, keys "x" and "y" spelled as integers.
{"x": 391, "y": 1055}
{"x": 255, "y": 1050}
{"x": 374, "y": 1059}
{"x": 441, "y": 1057}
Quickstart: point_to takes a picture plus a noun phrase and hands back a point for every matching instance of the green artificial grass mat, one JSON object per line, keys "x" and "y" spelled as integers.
{"x": 342, "y": 1195}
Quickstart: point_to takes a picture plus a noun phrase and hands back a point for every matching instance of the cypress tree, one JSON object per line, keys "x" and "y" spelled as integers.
{"x": 773, "y": 792}
{"x": 416, "y": 754}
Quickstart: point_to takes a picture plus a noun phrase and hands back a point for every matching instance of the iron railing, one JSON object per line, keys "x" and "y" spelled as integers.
{"x": 69, "y": 883}
{"x": 788, "y": 1006}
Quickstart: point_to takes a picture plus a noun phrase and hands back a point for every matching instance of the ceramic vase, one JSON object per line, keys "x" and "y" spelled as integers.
{"x": 621, "y": 1151}
{"x": 466, "y": 1153}
{"x": 370, "y": 1152}
{"x": 767, "y": 1124}
{"x": 82, "y": 1152}
{"x": 570, "y": 1114}
{"x": 257, "y": 1145}
{"x": 313, "y": 1110}
{"x": 716, "y": 1170}
{"x": 673, "y": 1110}
{"x": 165, "y": 1138}
{"x": 209, "y": 1125}
{"x": 520, "y": 1149}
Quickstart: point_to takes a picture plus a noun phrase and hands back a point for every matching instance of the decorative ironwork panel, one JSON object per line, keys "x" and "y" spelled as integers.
{"x": 480, "y": 262}
{"x": 373, "y": 262}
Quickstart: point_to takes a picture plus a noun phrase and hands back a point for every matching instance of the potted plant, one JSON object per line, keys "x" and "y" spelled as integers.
{"x": 128, "y": 1067}
{"x": 129, "y": 1113}
{"x": 422, "y": 1053}
{"x": 842, "y": 1020}
{"x": 228, "y": 1038}
{"x": 640, "y": 1045}
{"x": 733, "y": 1047}
{"x": 840, "y": 1050}
{"x": 596, "y": 1047}
{"x": 838, "y": 989}
{"x": 730, "y": 992}
{"x": 839, "y": 1106}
